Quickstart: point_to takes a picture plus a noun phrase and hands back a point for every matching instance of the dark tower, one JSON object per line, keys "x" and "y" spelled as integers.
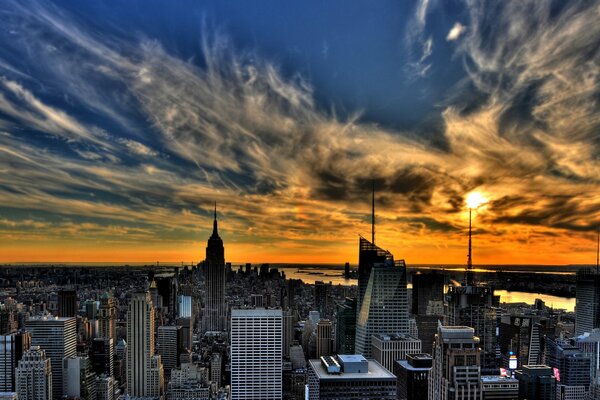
{"x": 67, "y": 303}
{"x": 214, "y": 267}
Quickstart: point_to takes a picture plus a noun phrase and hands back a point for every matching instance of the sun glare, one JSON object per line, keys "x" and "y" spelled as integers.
{"x": 475, "y": 199}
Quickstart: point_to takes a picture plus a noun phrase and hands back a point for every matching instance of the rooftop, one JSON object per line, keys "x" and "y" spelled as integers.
{"x": 376, "y": 371}
{"x": 498, "y": 379}
{"x": 256, "y": 312}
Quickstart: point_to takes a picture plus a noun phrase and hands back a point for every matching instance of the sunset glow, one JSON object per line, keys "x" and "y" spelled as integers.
{"x": 118, "y": 133}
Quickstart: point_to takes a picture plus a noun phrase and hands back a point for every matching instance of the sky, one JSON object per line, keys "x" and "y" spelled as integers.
{"x": 122, "y": 122}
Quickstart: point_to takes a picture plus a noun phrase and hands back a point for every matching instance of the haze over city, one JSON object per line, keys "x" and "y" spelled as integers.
{"x": 121, "y": 123}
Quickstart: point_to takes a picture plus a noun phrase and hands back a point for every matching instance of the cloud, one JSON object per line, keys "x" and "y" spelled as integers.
{"x": 454, "y": 33}
{"x": 137, "y": 147}
{"x": 238, "y": 130}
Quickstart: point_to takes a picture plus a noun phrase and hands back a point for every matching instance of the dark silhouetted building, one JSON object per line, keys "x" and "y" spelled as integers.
{"x": 214, "y": 318}
{"x": 413, "y": 376}
{"x": 102, "y": 356}
{"x": 67, "y": 303}
{"x": 536, "y": 382}
{"x": 427, "y": 287}
{"x": 587, "y": 306}
{"x": 345, "y": 329}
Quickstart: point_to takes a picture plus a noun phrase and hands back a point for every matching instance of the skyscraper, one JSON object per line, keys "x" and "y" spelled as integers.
{"x": 214, "y": 266}
{"x": 345, "y": 328}
{"x": 103, "y": 356}
{"x": 12, "y": 348}
{"x": 107, "y": 315}
{"x": 80, "y": 381}
{"x": 384, "y": 308}
{"x": 58, "y": 338}
{"x": 170, "y": 344}
{"x": 413, "y": 376}
{"x": 34, "y": 376}
{"x": 575, "y": 368}
{"x": 456, "y": 368}
{"x": 321, "y": 299}
{"x": 324, "y": 338}
{"x": 389, "y": 348}
{"x": 256, "y": 354}
{"x": 67, "y": 303}
{"x": 144, "y": 369}
{"x": 536, "y": 382}
{"x": 476, "y": 306}
{"x": 587, "y": 305}
{"x": 368, "y": 255}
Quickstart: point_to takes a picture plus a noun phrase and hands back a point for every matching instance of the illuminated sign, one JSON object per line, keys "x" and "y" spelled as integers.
{"x": 512, "y": 362}
{"x": 557, "y": 374}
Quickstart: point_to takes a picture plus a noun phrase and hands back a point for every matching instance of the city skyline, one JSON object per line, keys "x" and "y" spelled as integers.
{"x": 122, "y": 124}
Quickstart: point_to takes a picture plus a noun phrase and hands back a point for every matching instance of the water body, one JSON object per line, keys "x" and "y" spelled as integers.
{"x": 335, "y": 276}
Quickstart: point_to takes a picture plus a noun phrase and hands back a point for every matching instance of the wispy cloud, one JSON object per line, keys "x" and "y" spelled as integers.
{"x": 176, "y": 136}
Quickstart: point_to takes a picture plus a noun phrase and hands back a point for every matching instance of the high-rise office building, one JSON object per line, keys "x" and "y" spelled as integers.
{"x": 384, "y": 308}
{"x": 107, "y": 316}
{"x": 288, "y": 331}
{"x": 103, "y": 356}
{"x": 105, "y": 387}
{"x": 587, "y": 305}
{"x": 520, "y": 336}
{"x": 386, "y": 349}
{"x": 575, "y": 368}
{"x": 324, "y": 338}
{"x": 67, "y": 303}
{"x": 349, "y": 377}
{"x": 321, "y": 299}
{"x": 170, "y": 345}
{"x": 456, "y": 367}
{"x": 345, "y": 329}
{"x": 216, "y": 365}
{"x": 214, "y": 318}
{"x": 34, "y": 376}
{"x": 144, "y": 370}
{"x": 8, "y": 323}
{"x": 427, "y": 287}
{"x": 12, "y": 348}
{"x": 476, "y": 306}
{"x": 536, "y": 382}
{"x": 413, "y": 376}
{"x": 368, "y": 255}
{"x": 79, "y": 379}
{"x": 184, "y": 306}
{"x": 256, "y": 354}
{"x": 589, "y": 342}
{"x": 58, "y": 338}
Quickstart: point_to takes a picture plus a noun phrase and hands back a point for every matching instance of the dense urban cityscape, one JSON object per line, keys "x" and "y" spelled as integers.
{"x": 375, "y": 200}
{"x": 218, "y": 331}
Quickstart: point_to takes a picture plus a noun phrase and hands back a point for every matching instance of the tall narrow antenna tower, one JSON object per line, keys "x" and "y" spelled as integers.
{"x": 373, "y": 215}
{"x": 598, "y": 252}
{"x": 469, "y": 273}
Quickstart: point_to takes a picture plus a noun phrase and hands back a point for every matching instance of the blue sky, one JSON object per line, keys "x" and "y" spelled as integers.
{"x": 121, "y": 122}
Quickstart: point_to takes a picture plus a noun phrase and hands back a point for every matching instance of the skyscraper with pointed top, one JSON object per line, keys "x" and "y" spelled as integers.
{"x": 215, "y": 311}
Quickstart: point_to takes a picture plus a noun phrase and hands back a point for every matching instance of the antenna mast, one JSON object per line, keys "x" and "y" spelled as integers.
{"x": 373, "y": 215}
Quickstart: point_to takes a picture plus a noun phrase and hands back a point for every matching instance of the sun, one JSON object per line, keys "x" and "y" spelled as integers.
{"x": 475, "y": 199}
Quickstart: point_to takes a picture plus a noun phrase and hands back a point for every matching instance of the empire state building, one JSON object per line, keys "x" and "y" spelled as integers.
{"x": 214, "y": 266}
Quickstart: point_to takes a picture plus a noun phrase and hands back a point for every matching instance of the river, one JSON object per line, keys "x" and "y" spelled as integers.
{"x": 309, "y": 275}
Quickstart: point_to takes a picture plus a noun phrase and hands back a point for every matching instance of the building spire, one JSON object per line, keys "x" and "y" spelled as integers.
{"x": 373, "y": 215}
{"x": 215, "y": 230}
{"x": 469, "y": 273}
